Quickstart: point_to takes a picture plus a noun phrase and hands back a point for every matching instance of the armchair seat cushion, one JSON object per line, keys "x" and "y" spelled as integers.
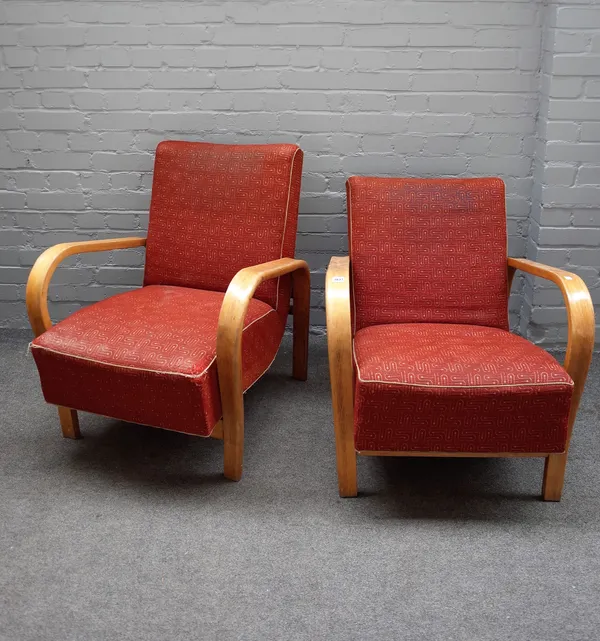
{"x": 149, "y": 356}
{"x": 457, "y": 388}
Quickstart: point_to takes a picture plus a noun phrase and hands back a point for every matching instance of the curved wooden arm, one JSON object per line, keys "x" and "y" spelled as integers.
{"x": 341, "y": 371}
{"x": 229, "y": 345}
{"x": 580, "y": 317}
{"x": 36, "y": 296}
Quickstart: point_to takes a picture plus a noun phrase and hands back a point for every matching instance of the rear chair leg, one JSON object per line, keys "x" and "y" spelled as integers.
{"x": 343, "y": 425}
{"x": 301, "y": 292}
{"x": 69, "y": 422}
{"x": 554, "y": 476}
{"x": 300, "y": 352}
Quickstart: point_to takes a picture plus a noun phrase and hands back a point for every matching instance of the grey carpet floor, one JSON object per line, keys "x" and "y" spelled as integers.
{"x": 133, "y": 534}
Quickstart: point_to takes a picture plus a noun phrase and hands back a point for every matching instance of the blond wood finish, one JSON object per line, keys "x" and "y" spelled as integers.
{"x": 580, "y": 345}
{"x": 69, "y": 422}
{"x": 554, "y": 476}
{"x": 231, "y": 321}
{"x": 36, "y": 298}
{"x": 341, "y": 372}
{"x": 229, "y": 346}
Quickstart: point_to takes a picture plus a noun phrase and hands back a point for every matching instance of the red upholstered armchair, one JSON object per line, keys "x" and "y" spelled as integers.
{"x": 179, "y": 352}
{"x": 421, "y": 359}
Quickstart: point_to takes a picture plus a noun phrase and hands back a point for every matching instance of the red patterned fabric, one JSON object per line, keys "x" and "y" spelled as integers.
{"x": 148, "y": 356}
{"x": 218, "y": 208}
{"x": 428, "y": 251}
{"x": 457, "y": 388}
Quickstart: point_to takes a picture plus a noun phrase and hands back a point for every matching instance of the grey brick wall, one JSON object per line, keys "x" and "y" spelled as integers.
{"x": 565, "y": 218}
{"x": 87, "y": 89}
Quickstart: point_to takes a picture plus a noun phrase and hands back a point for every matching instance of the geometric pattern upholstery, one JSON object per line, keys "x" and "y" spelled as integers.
{"x": 218, "y": 208}
{"x": 149, "y": 356}
{"x": 457, "y": 388}
{"x": 428, "y": 250}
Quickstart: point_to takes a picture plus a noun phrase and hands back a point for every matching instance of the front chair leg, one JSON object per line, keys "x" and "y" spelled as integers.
{"x": 229, "y": 348}
{"x": 343, "y": 421}
{"x": 232, "y": 398}
{"x": 233, "y": 445}
{"x": 554, "y": 476}
{"x": 580, "y": 346}
{"x": 234, "y": 459}
{"x": 69, "y": 422}
{"x": 346, "y": 470}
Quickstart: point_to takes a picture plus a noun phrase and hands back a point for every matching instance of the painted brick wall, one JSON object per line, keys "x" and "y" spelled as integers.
{"x": 385, "y": 87}
{"x": 565, "y": 218}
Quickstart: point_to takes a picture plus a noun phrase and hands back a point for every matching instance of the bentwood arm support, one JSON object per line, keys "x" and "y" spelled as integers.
{"x": 580, "y": 345}
{"x": 45, "y": 266}
{"x": 580, "y": 316}
{"x": 229, "y": 346}
{"x": 339, "y": 343}
{"x": 36, "y": 298}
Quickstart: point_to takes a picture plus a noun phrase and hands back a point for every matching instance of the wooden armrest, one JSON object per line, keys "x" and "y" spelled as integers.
{"x": 580, "y": 312}
{"x": 580, "y": 317}
{"x": 39, "y": 278}
{"x": 341, "y": 370}
{"x": 238, "y": 297}
{"x": 229, "y": 345}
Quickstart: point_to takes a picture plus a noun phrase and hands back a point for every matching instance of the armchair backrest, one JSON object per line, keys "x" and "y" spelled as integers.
{"x": 218, "y": 208}
{"x": 428, "y": 250}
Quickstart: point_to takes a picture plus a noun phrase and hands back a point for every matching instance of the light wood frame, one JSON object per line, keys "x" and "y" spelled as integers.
{"x": 229, "y": 333}
{"x": 580, "y": 345}
{"x": 229, "y": 346}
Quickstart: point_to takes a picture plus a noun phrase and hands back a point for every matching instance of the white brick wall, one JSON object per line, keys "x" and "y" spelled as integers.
{"x": 87, "y": 89}
{"x": 565, "y": 218}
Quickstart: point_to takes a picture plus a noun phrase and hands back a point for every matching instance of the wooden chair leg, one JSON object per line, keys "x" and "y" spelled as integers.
{"x": 69, "y": 422}
{"x": 229, "y": 347}
{"x": 554, "y": 477}
{"x": 342, "y": 395}
{"x": 346, "y": 470}
{"x": 232, "y": 399}
{"x": 301, "y": 324}
{"x": 233, "y": 453}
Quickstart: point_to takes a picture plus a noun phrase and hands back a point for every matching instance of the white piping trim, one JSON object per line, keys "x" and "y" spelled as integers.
{"x": 168, "y": 429}
{"x": 157, "y": 427}
{"x": 145, "y": 369}
{"x": 491, "y": 385}
{"x": 287, "y": 208}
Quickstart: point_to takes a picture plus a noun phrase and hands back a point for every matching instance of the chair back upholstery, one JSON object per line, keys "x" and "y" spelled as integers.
{"x": 428, "y": 250}
{"x": 218, "y": 208}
